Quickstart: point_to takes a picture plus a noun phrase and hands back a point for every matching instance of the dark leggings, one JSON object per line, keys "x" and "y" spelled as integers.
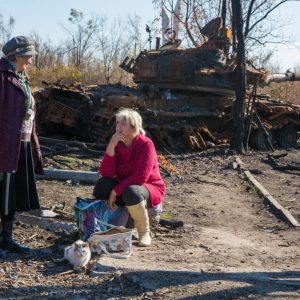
{"x": 133, "y": 194}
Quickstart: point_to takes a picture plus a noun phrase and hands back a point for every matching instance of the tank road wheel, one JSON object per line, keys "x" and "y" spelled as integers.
{"x": 287, "y": 137}
{"x": 257, "y": 140}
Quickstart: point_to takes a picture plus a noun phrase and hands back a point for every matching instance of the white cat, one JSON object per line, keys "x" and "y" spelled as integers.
{"x": 78, "y": 254}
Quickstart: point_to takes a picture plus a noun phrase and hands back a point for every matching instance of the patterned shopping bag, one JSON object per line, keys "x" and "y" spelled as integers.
{"x": 88, "y": 211}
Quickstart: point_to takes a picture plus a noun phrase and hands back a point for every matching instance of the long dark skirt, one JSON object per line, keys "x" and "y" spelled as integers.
{"x": 18, "y": 190}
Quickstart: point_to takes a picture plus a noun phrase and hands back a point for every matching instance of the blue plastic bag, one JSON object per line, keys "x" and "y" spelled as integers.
{"x": 88, "y": 211}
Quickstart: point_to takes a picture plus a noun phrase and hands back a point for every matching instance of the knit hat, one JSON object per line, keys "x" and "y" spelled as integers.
{"x": 19, "y": 46}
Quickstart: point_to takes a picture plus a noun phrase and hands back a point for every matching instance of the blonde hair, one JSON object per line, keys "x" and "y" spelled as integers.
{"x": 131, "y": 117}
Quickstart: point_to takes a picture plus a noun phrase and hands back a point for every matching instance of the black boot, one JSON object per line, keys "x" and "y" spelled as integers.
{"x": 8, "y": 243}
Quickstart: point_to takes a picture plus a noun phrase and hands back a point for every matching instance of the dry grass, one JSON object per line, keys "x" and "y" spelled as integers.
{"x": 286, "y": 91}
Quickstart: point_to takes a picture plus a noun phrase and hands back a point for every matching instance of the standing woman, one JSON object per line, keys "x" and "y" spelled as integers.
{"x": 130, "y": 173}
{"x": 19, "y": 142}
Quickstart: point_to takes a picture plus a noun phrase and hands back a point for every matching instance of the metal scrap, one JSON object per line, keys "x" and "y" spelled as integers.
{"x": 182, "y": 94}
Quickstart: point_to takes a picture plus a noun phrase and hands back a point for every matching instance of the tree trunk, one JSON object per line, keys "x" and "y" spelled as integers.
{"x": 238, "y": 133}
{"x": 224, "y": 3}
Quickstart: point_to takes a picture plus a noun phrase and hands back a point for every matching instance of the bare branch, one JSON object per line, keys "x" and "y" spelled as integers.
{"x": 265, "y": 15}
{"x": 249, "y": 13}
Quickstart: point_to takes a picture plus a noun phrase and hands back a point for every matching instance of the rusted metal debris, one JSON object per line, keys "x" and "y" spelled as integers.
{"x": 281, "y": 121}
{"x": 89, "y": 116}
{"x": 182, "y": 94}
{"x": 88, "y": 113}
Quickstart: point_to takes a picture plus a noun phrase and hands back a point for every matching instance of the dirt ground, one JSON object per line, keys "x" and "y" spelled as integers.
{"x": 230, "y": 247}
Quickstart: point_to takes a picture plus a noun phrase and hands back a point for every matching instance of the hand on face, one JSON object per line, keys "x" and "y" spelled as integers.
{"x": 116, "y": 138}
{"x": 124, "y": 133}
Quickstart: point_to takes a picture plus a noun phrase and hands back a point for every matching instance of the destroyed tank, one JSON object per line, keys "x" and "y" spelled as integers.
{"x": 184, "y": 95}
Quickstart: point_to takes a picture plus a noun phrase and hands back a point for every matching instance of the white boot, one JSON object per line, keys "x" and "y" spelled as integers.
{"x": 140, "y": 217}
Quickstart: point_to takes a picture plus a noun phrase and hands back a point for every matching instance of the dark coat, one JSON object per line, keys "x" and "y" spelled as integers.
{"x": 12, "y": 112}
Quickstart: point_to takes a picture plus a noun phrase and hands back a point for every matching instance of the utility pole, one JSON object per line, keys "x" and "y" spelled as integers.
{"x": 238, "y": 110}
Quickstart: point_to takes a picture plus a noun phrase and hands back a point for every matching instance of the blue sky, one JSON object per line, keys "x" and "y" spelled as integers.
{"x": 288, "y": 56}
{"x": 46, "y": 18}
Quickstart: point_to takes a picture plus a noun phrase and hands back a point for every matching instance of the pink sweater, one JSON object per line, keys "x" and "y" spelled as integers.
{"x": 135, "y": 165}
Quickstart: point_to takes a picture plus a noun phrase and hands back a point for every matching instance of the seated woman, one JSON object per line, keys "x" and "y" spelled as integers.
{"x": 130, "y": 172}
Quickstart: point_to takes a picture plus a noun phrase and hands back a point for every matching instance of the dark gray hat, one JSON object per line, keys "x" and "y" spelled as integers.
{"x": 19, "y": 46}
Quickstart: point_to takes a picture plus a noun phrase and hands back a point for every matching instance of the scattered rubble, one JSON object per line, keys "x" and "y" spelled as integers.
{"x": 230, "y": 245}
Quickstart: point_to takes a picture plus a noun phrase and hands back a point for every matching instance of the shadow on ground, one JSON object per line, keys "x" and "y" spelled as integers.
{"x": 180, "y": 285}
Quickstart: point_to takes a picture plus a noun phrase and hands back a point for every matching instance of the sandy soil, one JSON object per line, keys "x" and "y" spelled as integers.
{"x": 230, "y": 247}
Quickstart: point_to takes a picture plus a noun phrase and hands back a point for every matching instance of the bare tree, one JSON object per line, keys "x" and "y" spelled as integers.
{"x": 110, "y": 43}
{"x": 49, "y": 55}
{"x": 260, "y": 24}
{"x": 238, "y": 133}
{"x": 136, "y": 38}
{"x": 194, "y": 15}
{"x": 81, "y": 37}
{"x": 6, "y": 29}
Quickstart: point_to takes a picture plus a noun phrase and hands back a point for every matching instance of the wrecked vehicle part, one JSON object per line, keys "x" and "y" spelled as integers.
{"x": 281, "y": 120}
{"x": 175, "y": 123}
{"x": 179, "y": 92}
{"x": 83, "y": 112}
{"x": 171, "y": 125}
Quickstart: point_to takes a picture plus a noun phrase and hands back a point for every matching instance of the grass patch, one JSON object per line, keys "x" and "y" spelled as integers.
{"x": 167, "y": 216}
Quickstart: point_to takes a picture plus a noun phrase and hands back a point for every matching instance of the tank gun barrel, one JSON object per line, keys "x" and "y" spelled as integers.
{"x": 281, "y": 77}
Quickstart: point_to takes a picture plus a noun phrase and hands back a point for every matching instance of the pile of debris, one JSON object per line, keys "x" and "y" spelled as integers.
{"x": 88, "y": 113}
{"x": 281, "y": 121}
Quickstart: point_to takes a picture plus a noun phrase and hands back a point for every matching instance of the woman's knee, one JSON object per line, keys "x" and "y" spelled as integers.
{"x": 103, "y": 187}
{"x": 134, "y": 194}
